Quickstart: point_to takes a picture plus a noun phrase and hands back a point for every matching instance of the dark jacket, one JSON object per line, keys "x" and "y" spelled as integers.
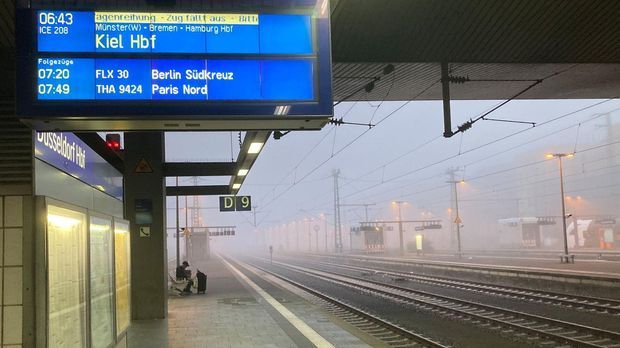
{"x": 181, "y": 272}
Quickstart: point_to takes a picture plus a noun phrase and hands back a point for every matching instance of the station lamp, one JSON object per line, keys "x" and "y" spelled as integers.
{"x": 236, "y": 186}
{"x": 242, "y": 172}
{"x": 560, "y": 156}
{"x": 113, "y": 141}
{"x": 255, "y": 148}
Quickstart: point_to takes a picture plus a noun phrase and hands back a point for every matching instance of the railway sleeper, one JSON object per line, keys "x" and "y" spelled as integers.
{"x": 375, "y": 331}
{"x": 586, "y": 336}
{"x": 393, "y": 338}
{"x": 384, "y": 333}
{"x": 405, "y": 345}
{"x": 569, "y": 333}
{"x": 552, "y": 330}
{"x": 389, "y": 336}
{"x": 498, "y": 316}
{"x": 548, "y": 343}
{"x": 599, "y": 341}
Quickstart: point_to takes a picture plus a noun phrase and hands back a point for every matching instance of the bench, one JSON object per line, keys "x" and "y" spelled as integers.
{"x": 177, "y": 284}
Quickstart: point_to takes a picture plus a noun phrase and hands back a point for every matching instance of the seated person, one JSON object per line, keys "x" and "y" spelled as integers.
{"x": 183, "y": 273}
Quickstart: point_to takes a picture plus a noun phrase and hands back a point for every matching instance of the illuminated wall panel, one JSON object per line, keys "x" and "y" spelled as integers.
{"x": 123, "y": 277}
{"x": 101, "y": 282}
{"x": 67, "y": 278}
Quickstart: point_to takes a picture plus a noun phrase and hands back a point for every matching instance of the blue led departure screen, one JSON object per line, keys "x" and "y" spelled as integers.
{"x": 176, "y": 56}
{"x": 175, "y": 79}
{"x": 115, "y": 32}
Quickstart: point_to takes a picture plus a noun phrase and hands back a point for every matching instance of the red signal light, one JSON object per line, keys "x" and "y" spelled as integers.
{"x": 113, "y": 141}
{"x": 113, "y": 145}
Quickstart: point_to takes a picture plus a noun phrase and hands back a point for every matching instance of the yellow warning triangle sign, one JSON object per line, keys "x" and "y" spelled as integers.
{"x": 143, "y": 167}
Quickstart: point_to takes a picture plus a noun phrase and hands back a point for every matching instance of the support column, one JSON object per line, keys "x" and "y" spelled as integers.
{"x": 445, "y": 89}
{"x": 145, "y": 206}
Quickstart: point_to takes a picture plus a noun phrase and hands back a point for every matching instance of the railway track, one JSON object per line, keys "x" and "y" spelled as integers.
{"x": 382, "y": 329}
{"x": 594, "y": 304}
{"x": 530, "y": 328}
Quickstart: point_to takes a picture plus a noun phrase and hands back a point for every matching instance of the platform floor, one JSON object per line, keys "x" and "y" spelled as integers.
{"x": 234, "y": 313}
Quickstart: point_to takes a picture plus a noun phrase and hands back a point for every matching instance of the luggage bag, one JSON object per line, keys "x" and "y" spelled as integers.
{"x": 202, "y": 282}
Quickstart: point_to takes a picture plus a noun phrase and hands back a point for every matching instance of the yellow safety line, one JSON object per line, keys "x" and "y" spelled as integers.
{"x": 314, "y": 337}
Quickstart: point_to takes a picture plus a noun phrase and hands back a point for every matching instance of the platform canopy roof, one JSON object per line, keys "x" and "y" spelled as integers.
{"x": 572, "y": 45}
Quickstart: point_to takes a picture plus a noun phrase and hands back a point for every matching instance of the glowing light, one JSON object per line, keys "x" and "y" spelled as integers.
{"x": 242, "y": 172}
{"x": 255, "y": 148}
{"x": 282, "y": 110}
{"x": 62, "y": 221}
{"x": 99, "y": 228}
{"x": 120, "y": 231}
{"x": 236, "y": 186}
{"x": 549, "y": 156}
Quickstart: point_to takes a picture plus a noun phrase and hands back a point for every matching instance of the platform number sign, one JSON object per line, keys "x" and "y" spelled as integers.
{"x": 244, "y": 203}
{"x": 227, "y": 203}
{"x": 235, "y": 203}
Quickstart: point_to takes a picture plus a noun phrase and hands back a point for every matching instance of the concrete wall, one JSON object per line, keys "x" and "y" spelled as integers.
{"x": 13, "y": 209}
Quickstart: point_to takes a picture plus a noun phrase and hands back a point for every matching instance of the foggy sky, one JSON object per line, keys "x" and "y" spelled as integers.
{"x": 405, "y": 158}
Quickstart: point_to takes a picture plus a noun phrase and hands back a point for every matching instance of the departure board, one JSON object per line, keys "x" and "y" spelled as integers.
{"x": 175, "y": 64}
{"x": 174, "y": 79}
{"x": 113, "y": 32}
{"x": 180, "y": 79}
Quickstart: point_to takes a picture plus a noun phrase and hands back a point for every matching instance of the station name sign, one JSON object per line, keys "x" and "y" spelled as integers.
{"x": 70, "y": 154}
{"x": 204, "y": 65}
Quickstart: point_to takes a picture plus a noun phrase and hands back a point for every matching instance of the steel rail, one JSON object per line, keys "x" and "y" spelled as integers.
{"x": 601, "y": 305}
{"x": 408, "y": 334}
{"x": 557, "y": 330}
{"x": 467, "y": 266}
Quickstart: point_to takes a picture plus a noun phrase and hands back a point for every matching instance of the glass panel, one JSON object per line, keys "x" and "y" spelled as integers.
{"x": 101, "y": 286}
{"x": 66, "y": 254}
{"x": 123, "y": 290}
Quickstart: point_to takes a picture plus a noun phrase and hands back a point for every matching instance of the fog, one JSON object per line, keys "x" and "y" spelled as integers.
{"x": 506, "y": 177}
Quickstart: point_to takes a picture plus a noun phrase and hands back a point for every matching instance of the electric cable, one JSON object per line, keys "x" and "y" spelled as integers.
{"x": 488, "y": 144}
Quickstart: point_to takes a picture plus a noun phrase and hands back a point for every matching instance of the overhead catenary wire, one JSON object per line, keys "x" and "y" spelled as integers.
{"x": 383, "y": 181}
{"x": 473, "y": 198}
{"x": 486, "y": 144}
{"x": 493, "y": 142}
{"x": 522, "y": 198}
{"x": 505, "y": 170}
{"x": 351, "y": 143}
{"x": 294, "y": 169}
{"x": 467, "y": 125}
{"x": 392, "y": 179}
{"x": 533, "y": 183}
